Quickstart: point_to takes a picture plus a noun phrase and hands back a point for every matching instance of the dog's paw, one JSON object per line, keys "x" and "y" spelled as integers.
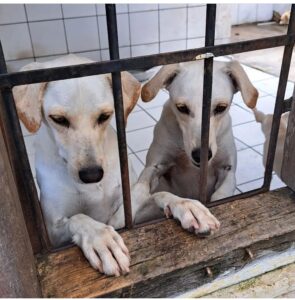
{"x": 103, "y": 247}
{"x": 193, "y": 216}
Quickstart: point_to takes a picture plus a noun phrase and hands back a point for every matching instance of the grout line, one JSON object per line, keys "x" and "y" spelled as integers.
{"x": 159, "y": 31}
{"x": 146, "y": 127}
{"x": 30, "y": 34}
{"x": 250, "y": 181}
{"x": 99, "y": 39}
{"x": 129, "y": 30}
{"x": 186, "y": 28}
{"x": 64, "y": 26}
{"x": 138, "y": 158}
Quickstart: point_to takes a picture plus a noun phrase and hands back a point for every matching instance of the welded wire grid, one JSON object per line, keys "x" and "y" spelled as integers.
{"x": 12, "y": 131}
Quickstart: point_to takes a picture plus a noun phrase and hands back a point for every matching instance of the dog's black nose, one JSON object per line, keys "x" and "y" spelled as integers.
{"x": 196, "y": 155}
{"x": 91, "y": 174}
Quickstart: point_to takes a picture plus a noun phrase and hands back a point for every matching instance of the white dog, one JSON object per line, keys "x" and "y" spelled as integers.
{"x": 78, "y": 171}
{"x": 266, "y": 123}
{"x": 175, "y": 149}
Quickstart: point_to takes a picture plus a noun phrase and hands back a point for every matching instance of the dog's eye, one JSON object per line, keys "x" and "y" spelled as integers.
{"x": 60, "y": 120}
{"x": 220, "y": 108}
{"x": 183, "y": 109}
{"x": 102, "y": 118}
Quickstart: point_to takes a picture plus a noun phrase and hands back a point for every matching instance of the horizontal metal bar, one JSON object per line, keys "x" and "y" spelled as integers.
{"x": 67, "y": 72}
{"x": 237, "y": 197}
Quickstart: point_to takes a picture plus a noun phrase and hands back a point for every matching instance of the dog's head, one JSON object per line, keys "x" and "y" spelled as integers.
{"x": 185, "y": 85}
{"x": 77, "y": 113}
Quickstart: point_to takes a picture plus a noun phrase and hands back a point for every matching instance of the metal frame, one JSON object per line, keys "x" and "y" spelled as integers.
{"x": 15, "y": 143}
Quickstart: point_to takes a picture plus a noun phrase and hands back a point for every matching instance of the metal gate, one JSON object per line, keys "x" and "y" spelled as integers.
{"x": 14, "y": 139}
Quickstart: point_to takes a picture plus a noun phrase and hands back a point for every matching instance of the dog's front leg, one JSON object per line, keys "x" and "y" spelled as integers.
{"x": 225, "y": 187}
{"x": 141, "y": 195}
{"x": 101, "y": 244}
{"x": 192, "y": 214}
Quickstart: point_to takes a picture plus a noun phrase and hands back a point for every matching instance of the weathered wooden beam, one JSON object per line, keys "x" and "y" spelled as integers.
{"x": 167, "y": 261}
{"x": 18, "y": 276}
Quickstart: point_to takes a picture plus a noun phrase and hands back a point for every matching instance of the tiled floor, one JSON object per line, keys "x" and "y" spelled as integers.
{"x": 248, "y": 135}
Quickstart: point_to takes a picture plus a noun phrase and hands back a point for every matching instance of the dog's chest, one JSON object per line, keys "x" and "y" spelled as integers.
{"x": 102, "y": 200}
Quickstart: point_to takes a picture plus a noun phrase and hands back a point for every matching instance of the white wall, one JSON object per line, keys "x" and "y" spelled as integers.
{"x": 249, "y": 13}
{"x": 41, "y": 31}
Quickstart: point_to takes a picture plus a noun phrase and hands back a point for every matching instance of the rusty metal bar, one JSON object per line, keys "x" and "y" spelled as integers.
{"x": 119, "y": 111}
{"x": 18, "y": 276}
{"x": 67, "y": 72}
{"x": 279, "y": 106}
{"x": 206, "y": 107}
{"x": 21, "y": 166}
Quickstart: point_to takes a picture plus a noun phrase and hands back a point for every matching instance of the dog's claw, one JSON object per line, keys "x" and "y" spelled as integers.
{"x": 167, "y": 212}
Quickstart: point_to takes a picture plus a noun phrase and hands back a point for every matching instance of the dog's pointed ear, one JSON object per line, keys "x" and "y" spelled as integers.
{"x": 28, "y": 100}
{"x": 162, "y": 79}
{"x": 131, "y": 88}
{"x": 242, "y": 83}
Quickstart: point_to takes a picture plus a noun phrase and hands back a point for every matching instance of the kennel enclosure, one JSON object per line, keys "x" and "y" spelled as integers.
{"x": 252, "y": 222}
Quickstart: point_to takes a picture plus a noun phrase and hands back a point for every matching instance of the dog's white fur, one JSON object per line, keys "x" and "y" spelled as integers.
{"x": 177, "y": 134}
{"x": 285, "y": 18}
{"x": 266, "y": 124}
{"x": 72, "y": 209}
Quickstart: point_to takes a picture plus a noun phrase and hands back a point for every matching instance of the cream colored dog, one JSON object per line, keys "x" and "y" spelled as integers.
{"x": 266, "y": 123}
{"x": 78, "y": 170}
{"x": 176, "y": 145}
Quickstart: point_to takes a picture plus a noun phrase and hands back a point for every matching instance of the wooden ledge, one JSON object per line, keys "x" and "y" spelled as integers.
{"x": 167, "y": 261}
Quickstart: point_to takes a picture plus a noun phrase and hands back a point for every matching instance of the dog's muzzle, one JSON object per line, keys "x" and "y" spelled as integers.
{"x": 91, "y": 174}
{"x": 196, "y": 156}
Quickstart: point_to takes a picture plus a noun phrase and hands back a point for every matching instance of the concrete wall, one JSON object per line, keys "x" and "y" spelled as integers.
{"x": 249, "y": 13}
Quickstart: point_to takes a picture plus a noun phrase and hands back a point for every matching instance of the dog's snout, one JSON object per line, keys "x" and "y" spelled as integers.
{"x": 196, "y": 155}
{"x": 91, "y": 174}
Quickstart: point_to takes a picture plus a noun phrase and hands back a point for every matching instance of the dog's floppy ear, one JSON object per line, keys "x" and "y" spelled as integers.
{"x": 131, "y": 91}
{"x": 28, "y": 100}
{"x": 162, "y": 79}
{"x": 242, "y": 83}
{"x": 131, "y": 88}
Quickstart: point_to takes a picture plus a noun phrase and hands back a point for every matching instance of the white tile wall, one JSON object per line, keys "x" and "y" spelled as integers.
{"x": 173, "y": 24}
{"x": 48, "y": 37}
{"x": 82, "y": 34}
{"x": 145, "y": 49}
{"x": 172, "y": 46}
{"x": 19, "y": 47}
{"x": 140, "y": 24}
{"x": 39, "y": 12}
{"x": 49, "y": 30}
{"x": 142, "y": 7}
{"x": 78, "y": 10}
{"x": 196, "y": 21}
{"x": 12, "y": 13}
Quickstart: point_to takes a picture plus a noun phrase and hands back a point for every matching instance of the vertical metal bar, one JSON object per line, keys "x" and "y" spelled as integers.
{"x": 119, "y": 111}
{"x": 21, "y": 167}
{"x": 17, "y": 265}
{"x": 206, "y": 108}
{"x": 279, "y": 102}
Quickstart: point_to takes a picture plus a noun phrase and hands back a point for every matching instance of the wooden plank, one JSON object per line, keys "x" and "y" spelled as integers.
{"x": 167, "y": 261}
{"x": 17, "y": 265}
{"x": 288, "y": 165}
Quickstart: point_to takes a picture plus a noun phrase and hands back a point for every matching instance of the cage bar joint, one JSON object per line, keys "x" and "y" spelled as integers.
{"x": 204, "y": 56}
